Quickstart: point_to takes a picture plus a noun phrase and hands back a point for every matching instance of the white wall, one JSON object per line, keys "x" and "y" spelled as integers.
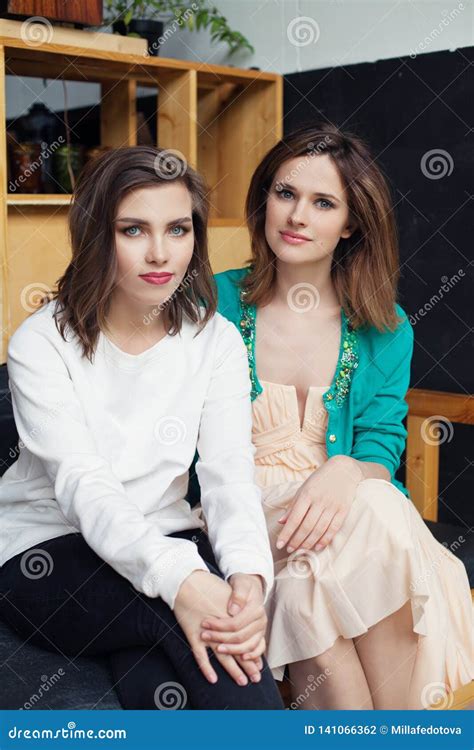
{"x": 296, "y": 35}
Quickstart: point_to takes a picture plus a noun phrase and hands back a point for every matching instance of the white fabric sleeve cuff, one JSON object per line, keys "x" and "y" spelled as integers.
{"x": 165, "y": 577}
{"x": 255, "y": 565}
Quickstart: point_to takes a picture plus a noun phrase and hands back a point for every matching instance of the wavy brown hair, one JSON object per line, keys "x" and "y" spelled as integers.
{"x": 365, "y": 267}
{"x": 84, "y": 291}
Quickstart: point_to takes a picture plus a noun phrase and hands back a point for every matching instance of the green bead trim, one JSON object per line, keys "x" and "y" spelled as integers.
{"x": 247, "y": 330}
{"x": 349, "y": 361}
{"x": 348, "y": 355}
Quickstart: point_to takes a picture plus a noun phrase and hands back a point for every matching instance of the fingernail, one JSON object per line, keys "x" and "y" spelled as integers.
{"x": 290, "y": 549}
{"x": 242, "y": 680}
{"x": 205, "y": 624}
{"x": 234, "y": 609}
{"x": 222, "y": 649}
{"x": 280, "y": 544}
{"x": 206, "y": 636}
{"x": 255, "y": 678}
{"x": 319, "y": 546}
{"x": 213, "y": 678}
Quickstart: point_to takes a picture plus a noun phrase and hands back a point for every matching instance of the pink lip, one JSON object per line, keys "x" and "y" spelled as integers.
{"x": 156, "y": 278}
{"x": 294, "y": 239}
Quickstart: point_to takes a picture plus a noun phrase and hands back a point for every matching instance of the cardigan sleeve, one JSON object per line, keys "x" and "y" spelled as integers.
{"x": 379, "y": 432}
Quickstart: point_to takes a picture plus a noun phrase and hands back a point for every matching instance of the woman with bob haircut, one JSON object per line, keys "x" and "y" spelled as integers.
{"x": 368, "y": 611}
{"x": 115, "y": 382}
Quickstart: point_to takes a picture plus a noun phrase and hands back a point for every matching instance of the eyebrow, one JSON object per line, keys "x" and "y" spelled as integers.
{"x": 135, "y": 220}
{"x": 287, "y": 186}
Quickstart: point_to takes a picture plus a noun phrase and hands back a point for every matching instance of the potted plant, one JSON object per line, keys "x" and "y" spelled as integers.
{"x": 147, "y": 19}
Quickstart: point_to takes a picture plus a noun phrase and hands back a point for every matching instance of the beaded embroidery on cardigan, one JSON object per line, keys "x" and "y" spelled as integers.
{"x": 349, "y": 359}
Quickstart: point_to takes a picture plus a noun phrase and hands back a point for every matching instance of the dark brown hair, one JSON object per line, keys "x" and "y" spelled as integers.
{"x": 365, "y": 268}
{"x": 84, "y": 291}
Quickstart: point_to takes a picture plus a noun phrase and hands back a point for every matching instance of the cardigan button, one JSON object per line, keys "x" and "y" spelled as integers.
{"x": 332, "y": 438}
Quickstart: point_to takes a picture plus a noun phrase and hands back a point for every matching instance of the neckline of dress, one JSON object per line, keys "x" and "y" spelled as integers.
{"x": 295, "y": 392}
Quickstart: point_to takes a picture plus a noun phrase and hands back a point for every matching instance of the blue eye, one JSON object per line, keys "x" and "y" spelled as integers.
{"x": 181, "y": 231}
{"x": 127, "y": 230}
{"x": 284, "y": 193}
{"x": 329, "y": 204}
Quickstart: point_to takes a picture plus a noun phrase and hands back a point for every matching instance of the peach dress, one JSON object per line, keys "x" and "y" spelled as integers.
{"x": 382, "y": 556}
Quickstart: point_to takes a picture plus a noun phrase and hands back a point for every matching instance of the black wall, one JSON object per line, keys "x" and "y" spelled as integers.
{"x": 405, "y": 108}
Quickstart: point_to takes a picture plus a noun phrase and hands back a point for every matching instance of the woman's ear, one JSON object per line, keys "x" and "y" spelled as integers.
{"x": 349, "y": 229}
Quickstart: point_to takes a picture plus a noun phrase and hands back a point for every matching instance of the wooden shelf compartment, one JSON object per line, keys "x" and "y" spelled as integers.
{"x": 221, "y": 119}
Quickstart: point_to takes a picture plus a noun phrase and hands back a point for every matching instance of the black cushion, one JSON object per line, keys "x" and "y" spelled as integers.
{"x": 33, "y": 678}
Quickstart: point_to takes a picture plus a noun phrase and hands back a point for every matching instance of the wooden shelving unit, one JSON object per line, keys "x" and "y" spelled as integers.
{"x": 222, "y": 119}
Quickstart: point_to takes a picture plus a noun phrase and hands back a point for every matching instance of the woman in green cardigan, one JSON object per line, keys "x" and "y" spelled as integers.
{"x": 368, "y": 609}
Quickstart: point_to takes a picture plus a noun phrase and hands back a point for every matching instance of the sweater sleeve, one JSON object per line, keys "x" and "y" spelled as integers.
{"x": 379, "y": 432}
{"x": 52, "y": 425}
{"x": 230, "y": 498}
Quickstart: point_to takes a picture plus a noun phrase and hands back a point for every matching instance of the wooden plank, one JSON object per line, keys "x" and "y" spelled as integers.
{"x": 422, "y": 468}
{"x": 209, "y": 105}
{"x": 39, "y": 199}
{"x": 52, "y": 53}
{"x": 118, "y": 114}
{"x": 88, "y": 40}
{"x": 456, "y": 407}
{"x": 71, "y": 11}
{"x": 249, "y": 126}
{"x": 177, "y": 114}
{"x": 38, "y": 253}
{"x": 229, "y": 247}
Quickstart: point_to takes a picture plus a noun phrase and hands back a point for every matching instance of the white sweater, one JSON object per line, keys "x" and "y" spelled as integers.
{"x": 105, "y": 450}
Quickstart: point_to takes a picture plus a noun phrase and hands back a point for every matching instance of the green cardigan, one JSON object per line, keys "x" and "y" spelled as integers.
{"x": 365, "y": 402}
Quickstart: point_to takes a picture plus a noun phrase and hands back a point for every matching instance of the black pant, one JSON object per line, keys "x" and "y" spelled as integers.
{"x": 84, "y": 607}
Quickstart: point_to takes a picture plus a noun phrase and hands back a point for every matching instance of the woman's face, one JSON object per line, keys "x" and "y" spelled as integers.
{"x": 154, "y": 242}
{"x": 307, "y": 198}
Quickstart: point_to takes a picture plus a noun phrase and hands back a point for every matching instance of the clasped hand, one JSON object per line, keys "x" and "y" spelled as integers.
{"x": 227, "y": 617}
